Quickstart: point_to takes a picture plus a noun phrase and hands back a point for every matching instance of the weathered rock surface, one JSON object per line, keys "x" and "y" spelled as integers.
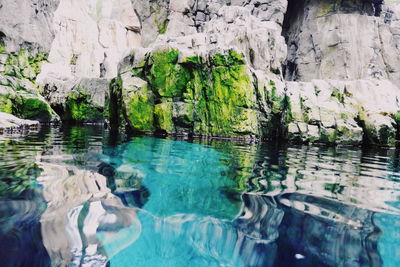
{"x": 308, "y": 70}
{"x": 27, "y": 24}
{"x": 10, "y": 123}
{"x": 19, "y": 93}
{"x": 91, "y": 38}
{"x": 327, "y": 40}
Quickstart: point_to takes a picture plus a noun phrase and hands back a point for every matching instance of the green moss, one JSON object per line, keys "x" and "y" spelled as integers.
{"x": 26, "y": 107}
{"x": 24, "y": 64}
{"x": 328, "y": 137}
{"x": 115, "y": 104}
{"x": 220, "y": 105}
{"x": 215, "y": 96}
{"x": 184, "y": 114}
{"x": 6, "y": 104}
{"x": 196, "y": 60}
{"x": 305, "y": 110}
{"x": 79, "y": 107}
{"x": 233, "y": 58}
{"x": 37, "y": 109}
{"x": 73, "y": 59}
{"x": 140, "y": 111}
{"x": 392, "y": 142}
{"x": 167, "y": 78}
{"x": 163, "y": 117}
{"x": 385, "y": 135}
{"x": 326, "y": 8}
{"x": 338, "y": 95}
{"x": 162, "y": 28}
{"x": 2, "y": 49}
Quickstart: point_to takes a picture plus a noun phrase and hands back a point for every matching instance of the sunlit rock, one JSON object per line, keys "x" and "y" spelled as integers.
{"x": 11, "y": 123}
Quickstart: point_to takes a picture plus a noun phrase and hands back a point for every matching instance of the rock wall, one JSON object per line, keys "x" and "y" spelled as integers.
{"x": 309, "y": 71}
{"x": 27, "y": 24}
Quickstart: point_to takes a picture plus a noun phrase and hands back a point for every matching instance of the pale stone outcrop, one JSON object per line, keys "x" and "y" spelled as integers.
{"x": 10, "y": 123}
{"x": 27, "y": 24}
{"x": 91, "y": 38}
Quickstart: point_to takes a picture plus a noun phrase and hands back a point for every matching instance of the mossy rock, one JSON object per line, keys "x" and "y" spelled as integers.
{"x": 80, "y": 108}
{"x": 216, "y": 95}
{"x": 27, "y": 106}
{"x": 168, "y": 78}
{"x": 6, "y": 104}
{"x": 36, "y": 109}
{"x": 163, "y": 117}
{"x": 140, "y": 111}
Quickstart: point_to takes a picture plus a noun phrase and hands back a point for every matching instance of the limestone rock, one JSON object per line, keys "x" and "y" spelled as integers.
{"x": 332, "y": 41}
{"x": 27, "y": 24}
{"x": 91, "y": 38}
{"x": 10, "y": 123}
{"x": 19, "y": 93}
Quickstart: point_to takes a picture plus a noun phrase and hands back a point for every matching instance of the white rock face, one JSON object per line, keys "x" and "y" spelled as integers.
{"x": 10, "y": 123}
{"x": 326, "y": 43}
{"x": 27, "y": 24}
{"x": 337, "y": 108}
{"x": 91, "y": 37}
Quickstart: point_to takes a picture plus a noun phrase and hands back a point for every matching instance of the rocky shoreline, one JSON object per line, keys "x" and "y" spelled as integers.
{"x": 302, "y": 71}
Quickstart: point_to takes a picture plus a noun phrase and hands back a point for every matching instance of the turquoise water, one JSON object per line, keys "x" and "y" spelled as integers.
{"x": 82, "y": 196}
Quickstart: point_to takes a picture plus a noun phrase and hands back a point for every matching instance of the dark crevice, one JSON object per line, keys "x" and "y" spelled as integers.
{"x": 2, "y": 38}
{"x": 296, "y": 11}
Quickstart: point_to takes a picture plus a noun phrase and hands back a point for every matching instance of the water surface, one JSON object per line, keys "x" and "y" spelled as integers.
{"x": 76, "y": 196}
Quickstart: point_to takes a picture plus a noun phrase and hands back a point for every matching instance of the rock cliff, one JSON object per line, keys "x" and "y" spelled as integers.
{"x": 309, "y": 71}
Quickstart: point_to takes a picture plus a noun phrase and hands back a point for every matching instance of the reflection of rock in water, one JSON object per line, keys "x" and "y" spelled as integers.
{"x": 82, "y": 217}
{"x": 20, "y": 234}
{"x": 308, "y": 231}
{"x": 326, "y": 233}
{"x": 260, "y": 217}
{"x": 125, "y": 184}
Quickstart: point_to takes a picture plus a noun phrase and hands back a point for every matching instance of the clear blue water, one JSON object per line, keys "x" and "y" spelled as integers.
{"x": 82, "y": 196}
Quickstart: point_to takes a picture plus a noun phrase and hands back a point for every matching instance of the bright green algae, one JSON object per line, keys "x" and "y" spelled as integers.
{"x": 201, "y": 96}
{"x": 79, "y": 107}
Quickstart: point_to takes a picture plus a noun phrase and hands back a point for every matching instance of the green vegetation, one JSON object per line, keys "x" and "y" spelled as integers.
{"x": 21, "y": 95}
{"x": 168, "y": 77}
{"x": 326, "y": 8}
{"x": 26, "y": 106}
{"x": 140, "y": 111}
{"x": 162, "y": 28}
{"x": 206, "y": 96}
{"x": 163, "y": 117}
{"x": 79, "y": 107}
{"x": 6, "y": 104}
{"x": 37, "y": 109}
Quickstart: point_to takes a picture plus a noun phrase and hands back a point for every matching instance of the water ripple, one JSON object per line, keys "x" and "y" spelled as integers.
{"x": 79, "y": 196}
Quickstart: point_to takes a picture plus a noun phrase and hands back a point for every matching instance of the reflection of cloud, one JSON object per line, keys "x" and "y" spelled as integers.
{"x": 83, "y": 217}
